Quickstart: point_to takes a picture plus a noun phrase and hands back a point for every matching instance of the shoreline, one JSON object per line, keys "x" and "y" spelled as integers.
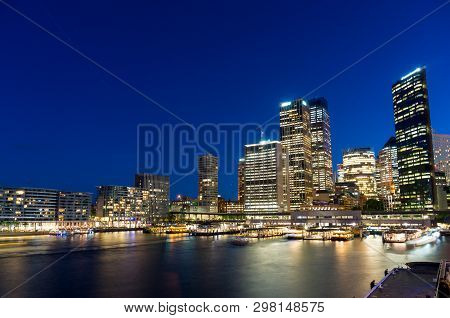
{"x": 21, "y": 234}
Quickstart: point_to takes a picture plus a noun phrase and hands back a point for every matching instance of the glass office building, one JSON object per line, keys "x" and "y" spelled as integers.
{"x": 321, "y": 145}
{"x": 295, "y": 134}
{"x": 414, "y": 142}
{"x": 266, "y": 178}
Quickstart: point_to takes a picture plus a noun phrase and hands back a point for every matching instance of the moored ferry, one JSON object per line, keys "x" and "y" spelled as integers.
{"x": 401, "y": 235}
{"x": 342, "y": 236}
{"x": 429, "y": 236}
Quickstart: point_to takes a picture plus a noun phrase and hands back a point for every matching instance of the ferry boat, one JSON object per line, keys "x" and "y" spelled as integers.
{"x": 314, "y": 237}
{"x": 294, "y": 236}
{"x": 82, "y": 231}
{"x": 401, "y": 235}
{"x": 429, "y": 236}
{"x": 179, "y": 229}
{"x": 342, "y": 236}
{"x": 60, "y": 233}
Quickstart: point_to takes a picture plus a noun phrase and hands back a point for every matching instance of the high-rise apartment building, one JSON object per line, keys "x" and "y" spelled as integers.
{"x": 36, "y": 204}
{"x": 414, "y": 142}
{"x": 441, "y": 146}
{"x": 266, "y": 177}
{"x": 387, "y": 174}
{"x": 295, "y": 134}
{"x": 208, "y": 187}
{"x": 159, "y": 189}
{"x": 322, "y": 167}
{"x": 124, "y": 204}
{"x": 359, "y": 167}
{"x": 241, "y": 181}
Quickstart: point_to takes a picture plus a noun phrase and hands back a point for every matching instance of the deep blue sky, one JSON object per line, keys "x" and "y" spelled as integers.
{"x": 66, "y": 124}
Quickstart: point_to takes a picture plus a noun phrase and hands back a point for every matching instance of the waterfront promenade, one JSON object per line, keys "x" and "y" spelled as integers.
{"x": 133, "y": 264}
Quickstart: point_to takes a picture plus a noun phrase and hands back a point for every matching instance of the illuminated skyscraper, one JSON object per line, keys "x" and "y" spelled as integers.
{"x": 359, "y": 167}
{"x": 321, "y": 145}
{"x": 414, "y": 142}
{"x": 266, "y": 178}
{"x": 441, "y": 191}
{"x": 208, "y": 186}
{"x": 241, "y": 180}
{"x": 387, "y": 174}
{"x": 340, "y": 173}
{"x": 295, "y": 132}
{"x": 158, "y": 187}
{"x": 441, "y": 145}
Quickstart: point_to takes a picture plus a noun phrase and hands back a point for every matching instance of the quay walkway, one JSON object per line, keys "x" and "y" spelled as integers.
{"x": 417, "y": 280}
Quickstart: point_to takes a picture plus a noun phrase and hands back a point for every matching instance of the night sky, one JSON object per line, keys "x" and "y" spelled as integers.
{"x": 66, "y": 124}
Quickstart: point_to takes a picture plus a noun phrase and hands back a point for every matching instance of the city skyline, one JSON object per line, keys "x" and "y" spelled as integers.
{"x": 300, "y": 103}
{"x": 100, "y": 108}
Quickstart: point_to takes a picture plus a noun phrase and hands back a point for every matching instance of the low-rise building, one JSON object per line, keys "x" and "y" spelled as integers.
{"x": 230, "y": 206}
{"x": 37, "y": 204}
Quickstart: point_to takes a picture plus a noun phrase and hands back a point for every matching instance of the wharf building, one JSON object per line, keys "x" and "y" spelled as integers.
{"x": 414, "y": 142}
{"x": 266, "y": 178}
{"x": 295, "y": 136}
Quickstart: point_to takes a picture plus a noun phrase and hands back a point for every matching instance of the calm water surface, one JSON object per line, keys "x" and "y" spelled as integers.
{"x": 133, "y": 264}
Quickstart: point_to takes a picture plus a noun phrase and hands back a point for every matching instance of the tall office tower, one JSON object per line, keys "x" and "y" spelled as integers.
{"x": 441, "y": 191}
{"x": 359, "y": 167}
{"x": 295, "y": 132}
{"x": 266, "y": 177}
{"x": 241, "y": 180}
{"x": 387, "y": 172}
{"x": 159, "y": 188}
{"x": 441, "y": 145}
{"x": 322, "y": 167}
{"x": 36, "y": 204}
{"x": 414, "y": 142}
{"x": 208, "y": 187}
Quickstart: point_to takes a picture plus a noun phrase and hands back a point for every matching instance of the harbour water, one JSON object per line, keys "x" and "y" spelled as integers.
{"x": 133, "y": 264}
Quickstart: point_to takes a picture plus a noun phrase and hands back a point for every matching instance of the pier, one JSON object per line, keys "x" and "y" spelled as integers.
{"x": 417, "y": 280}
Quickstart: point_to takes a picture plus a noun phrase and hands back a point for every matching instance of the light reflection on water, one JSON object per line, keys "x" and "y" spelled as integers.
{"x": 133, "y": 264}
